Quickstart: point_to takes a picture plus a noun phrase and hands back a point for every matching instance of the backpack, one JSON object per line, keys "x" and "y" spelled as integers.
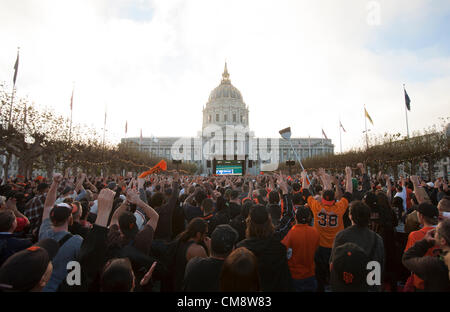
{"x": 63, "y": 240}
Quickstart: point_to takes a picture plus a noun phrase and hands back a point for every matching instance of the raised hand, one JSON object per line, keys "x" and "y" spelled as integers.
{"x": 141, "y": 182}
{"x": 283, "y": 185}
{"x": 321, "y": 172}
{"x": 176, "y": 176}
{"x": 57, "y": 178}
{"x": 414, "y": 179}
{"x": 105, "y": 199}
{"x": 348, "y": 171}
{"x": 148, "y": 275}
{"x": 133, "y": 196}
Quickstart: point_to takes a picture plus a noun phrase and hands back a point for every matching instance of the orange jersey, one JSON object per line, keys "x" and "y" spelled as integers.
{"x": 328, "y": 219}
{"x": 412, "y": 239}
{"x": 304, "y": 241}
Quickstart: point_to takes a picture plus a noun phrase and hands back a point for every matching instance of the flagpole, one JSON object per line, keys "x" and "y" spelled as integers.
{"x": 71, "y": 111}
{"x": 14, "y": 86}
{"x": 24, "y": 118}
{"x": 10, "y": 109}
{"x": 309, "y": 146}
{"x": 104, "y": 129}
{"x": 406, "y": 113}
{"x": 365, "y": 124}
{"x": 340, "y": 135}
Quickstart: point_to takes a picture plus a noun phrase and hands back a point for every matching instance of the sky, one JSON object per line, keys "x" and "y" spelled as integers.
{"x": 303, "y": 64}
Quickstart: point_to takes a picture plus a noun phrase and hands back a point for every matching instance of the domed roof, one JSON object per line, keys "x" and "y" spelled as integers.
{"x": 225, "y": 89}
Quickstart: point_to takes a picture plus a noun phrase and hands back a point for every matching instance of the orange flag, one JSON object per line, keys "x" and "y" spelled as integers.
{"x": 162, "y": 165}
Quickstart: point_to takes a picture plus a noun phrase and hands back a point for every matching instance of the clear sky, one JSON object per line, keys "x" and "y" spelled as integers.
{"x": 297, "y": 63}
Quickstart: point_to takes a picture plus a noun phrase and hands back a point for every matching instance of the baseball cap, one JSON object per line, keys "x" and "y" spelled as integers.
{"x": 60, "y": 213}
{"x": 328, "y": 196}
{"x": 223, "y": 239}
{"x": 23, "y": 270}
{"x": 127, "y": 224}
{"x": 348, "y": 270}
{"x": 259, "y": 214}
{"x": 428, "y": 210}
{"x": 430, "y": 184}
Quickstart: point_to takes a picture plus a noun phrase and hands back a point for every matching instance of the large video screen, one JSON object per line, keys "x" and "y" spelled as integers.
{"x": 228, "y": 167}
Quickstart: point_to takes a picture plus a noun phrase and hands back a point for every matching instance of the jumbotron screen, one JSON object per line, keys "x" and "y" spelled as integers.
{"x": 228, "y": 167}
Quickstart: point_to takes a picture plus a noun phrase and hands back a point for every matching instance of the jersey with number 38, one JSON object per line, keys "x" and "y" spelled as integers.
{"x": 328, "y": 219}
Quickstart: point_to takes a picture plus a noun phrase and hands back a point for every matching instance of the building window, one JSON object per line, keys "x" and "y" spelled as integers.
{"x": 217, "y": 117}
{"x": 234, "y": 117}
{"x": 224, "y": 117}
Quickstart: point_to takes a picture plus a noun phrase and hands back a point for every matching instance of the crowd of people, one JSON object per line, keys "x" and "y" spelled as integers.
{"x": 311, "y": 232}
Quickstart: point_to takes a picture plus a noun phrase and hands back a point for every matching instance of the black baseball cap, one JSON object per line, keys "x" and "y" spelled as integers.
{"x": 22, "y": 271}
{"x": 223, "y": 239}
{"x": 127, "y": 224}
{"x": 349, "y": 269}
{"x": 328, "y": 195}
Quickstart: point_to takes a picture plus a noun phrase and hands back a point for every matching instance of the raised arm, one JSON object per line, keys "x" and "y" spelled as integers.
{"x": 365, "y": 178}
{"x": 389, "y": 187}
{"x": 326, "y": 180}
{"x": 418, "y": 190}
{"x": 151, "y": 214}
{"x": 250, "y": 189}
{"x": 288, "y": 213}
{"x": 142, "y": 195}
{"x": 115, "y": 217}
{"x": 348, "y": 179}
{"x": 338, "y": 193}
{"x": 91, "y": 186}
{"x": 80, "y": 180}
{"x": 51, "y": 196}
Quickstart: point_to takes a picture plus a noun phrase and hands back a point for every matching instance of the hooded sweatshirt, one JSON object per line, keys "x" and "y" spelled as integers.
{"x": 273, "y": 266}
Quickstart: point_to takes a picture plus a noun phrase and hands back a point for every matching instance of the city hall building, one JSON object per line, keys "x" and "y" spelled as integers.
{"x": 225, "y": 144}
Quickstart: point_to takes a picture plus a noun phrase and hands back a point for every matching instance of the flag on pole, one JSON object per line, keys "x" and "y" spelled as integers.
{"x": 25, "y": 115}
{"x": 140, "y": 138}
{"x": 126, "y": 127}
{"x": 323, "y": 132}
{"x": 16, "y": 68}
{"x": 340, "y": 124}
{"x": 71, "y": 100}
{"x": 407, "y": 100}
{"x": 368, "y": 116}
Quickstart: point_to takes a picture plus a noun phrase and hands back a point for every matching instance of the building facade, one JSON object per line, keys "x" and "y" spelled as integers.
{"x": 225, "y": 134}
